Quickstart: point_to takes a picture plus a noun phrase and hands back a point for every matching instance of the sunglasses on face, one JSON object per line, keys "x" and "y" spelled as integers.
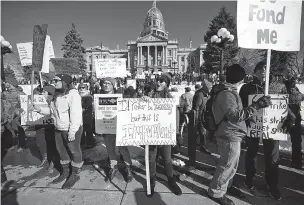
{"x": 56, "y": 80}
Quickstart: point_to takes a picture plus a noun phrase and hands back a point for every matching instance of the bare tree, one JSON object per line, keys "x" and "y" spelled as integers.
{"x": 298, "y": 63}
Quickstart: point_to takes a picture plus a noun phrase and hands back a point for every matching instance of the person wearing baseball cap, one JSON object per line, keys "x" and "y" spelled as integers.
{"x": 66, "y": 112}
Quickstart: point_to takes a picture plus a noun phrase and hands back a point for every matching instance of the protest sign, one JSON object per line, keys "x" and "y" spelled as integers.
{"x": 25, "y": 51}
{"x": 267, "y": 123}
{"x": 39, "y": 37}
{"x": 34, "y": 118}
{"x": 114, "y": 68}
{"x": 146, "y": 121}
{"x": 105, "y": 106}
{"x": 131, "y": 82}
{"x": 264, "y": 24}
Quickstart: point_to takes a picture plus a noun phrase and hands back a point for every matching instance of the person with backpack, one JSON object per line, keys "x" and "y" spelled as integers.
{"x": 230, "y": 128}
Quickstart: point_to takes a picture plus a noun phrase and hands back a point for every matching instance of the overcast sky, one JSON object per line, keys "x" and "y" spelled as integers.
{"x": 110, "y": 22}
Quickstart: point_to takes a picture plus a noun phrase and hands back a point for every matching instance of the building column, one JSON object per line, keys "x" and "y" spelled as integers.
{"x": 140, "y": 56}
{"x": 166, "y": 54}
{"x": 155, "y": 56}
{"x": 148, "y": 57}
{"x": 93, "y": 63}
{"x": 129, "y": 58}
{"x": 186, "y": 62}
{"x": 137, "y": 55}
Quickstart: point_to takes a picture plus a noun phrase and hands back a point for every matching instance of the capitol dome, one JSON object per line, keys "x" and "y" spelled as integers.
{"x": 154, "y": 23}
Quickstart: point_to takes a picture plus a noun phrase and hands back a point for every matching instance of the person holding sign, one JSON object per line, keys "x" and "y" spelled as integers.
{"x": 271, "y": 147}
{"x": 162, "y": 91}
{"x": 66, "y": 112}
{"x": 108, "y": 87}
{"x": 230, "y": 115}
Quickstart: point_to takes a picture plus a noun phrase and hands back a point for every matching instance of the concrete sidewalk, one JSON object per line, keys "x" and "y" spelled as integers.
{"x": 33, "y": 186}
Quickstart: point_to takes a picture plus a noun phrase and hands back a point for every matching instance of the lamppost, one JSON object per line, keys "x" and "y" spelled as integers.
{"x": 5, "y": 48}
{"x": 222, "y": 41}
{"x": 174, "y": 63}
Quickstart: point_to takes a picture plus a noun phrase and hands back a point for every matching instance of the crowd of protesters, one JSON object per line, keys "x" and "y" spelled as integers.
{"x": 73, "y": 129}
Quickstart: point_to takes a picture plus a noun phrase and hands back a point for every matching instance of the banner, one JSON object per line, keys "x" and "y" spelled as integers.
{"x": 268, "y": 122}
{"x": 146, "y": 121}
{"x": 39, "y": 37}
{"x": 114, "y": 68}
{"x": 105, "y": 106}
{"x": 34, "y": 118}
{"x": 269, "y": 24}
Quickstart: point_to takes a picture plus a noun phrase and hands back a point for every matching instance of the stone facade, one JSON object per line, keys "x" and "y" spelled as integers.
{"x": 152, "y": 50}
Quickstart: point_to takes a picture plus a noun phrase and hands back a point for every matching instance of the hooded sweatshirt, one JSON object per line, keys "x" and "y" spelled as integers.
{"x": 66, "y": 112}
{"x": 227, "y": 105}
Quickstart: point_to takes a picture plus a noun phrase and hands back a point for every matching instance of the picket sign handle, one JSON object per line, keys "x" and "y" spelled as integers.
{"x": 147, "y": 169}
{"x": 267, "y": 71}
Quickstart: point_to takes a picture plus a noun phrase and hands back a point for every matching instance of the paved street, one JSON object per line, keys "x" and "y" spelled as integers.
{"x": 33, "y": 185}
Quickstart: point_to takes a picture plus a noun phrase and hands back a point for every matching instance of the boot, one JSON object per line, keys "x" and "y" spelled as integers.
{"x": 129, "y": 173}
{"x": 73, "y": 178}
{"x": 3, "y": 175}
{"x": 43, "y": 162}
{"x": 173, "y": 186}
{"x": 152, "y": 185}
{"x": 65, "y": 173}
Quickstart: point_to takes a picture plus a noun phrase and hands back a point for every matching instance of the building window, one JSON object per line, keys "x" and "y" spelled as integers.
{"x": 183, "y": 59}
{"x": 170, "y": 52}
{"x": 91, "y": 67}
{"x": 170, "y": 63}
{"x": 159, "y": 62}
{"x": 154, "y": 23}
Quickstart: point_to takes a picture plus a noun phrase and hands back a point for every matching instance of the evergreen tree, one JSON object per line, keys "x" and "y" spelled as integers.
{"x": 212, "y": 54}
{"x": 73, "y": 47}
{"x": 8, "y": 72}
{"x": 280, "y": 60}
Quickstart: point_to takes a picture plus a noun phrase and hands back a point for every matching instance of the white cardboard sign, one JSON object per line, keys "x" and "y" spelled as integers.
{"x": 114, "y": 68}
{"x": 105, "y": 107}
{"x": 146, "y": 121}
{"x": 34, "y": 118}
{"x": 269, "y": 24}
{"x": 267, "y": 123}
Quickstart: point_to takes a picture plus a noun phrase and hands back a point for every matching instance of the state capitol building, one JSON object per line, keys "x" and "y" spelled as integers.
{"x": 152, "y": 50}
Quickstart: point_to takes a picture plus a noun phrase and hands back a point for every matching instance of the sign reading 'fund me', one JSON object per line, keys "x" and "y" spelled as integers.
{"x": 263, "y": 24}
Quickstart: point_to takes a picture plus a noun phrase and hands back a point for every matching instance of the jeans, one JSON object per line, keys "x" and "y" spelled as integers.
{"x": 165, "y": 152}
{"x": 21, "y": 137}
{"x": 225, "y": 168}
{"x": 271, "y": 153}
{"x": 69, "y": 151}
{"x": 296, "y": 142}
{"x": 45, "y": 139}
{"x": 110, "y": 142}
{"x": 87, "y": 134}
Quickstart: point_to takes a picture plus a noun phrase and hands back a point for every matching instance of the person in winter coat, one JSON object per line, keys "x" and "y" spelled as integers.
{"x": 162, "y": 91}
{"x": 198, "y": 105}
{"x": 185, "y": 106}
{"x": 271, "y": 147}
{"x": 11, "y": 94}
{"x": 231, "y": 128}
{"x": 66, "y": 112}
{"x": 108, "y": 87}
{"x": 45, "y": 135}
{"x": 87, "y": 107}
{"x": 295, "y": 99}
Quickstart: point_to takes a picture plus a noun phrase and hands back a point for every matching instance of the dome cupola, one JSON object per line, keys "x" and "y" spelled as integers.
{"x": 154, "y": 23}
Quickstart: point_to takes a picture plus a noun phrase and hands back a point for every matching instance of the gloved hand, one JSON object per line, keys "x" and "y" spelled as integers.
{"x": 262, "y": 102}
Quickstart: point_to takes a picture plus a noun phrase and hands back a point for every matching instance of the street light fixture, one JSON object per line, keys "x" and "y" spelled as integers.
{"x": 222, "y": 40}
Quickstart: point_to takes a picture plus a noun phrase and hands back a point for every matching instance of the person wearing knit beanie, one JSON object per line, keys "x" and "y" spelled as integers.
{"x": 235, "y": 73}
{"x": 11, "y": 81}
{"x": 108, "y": 85}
